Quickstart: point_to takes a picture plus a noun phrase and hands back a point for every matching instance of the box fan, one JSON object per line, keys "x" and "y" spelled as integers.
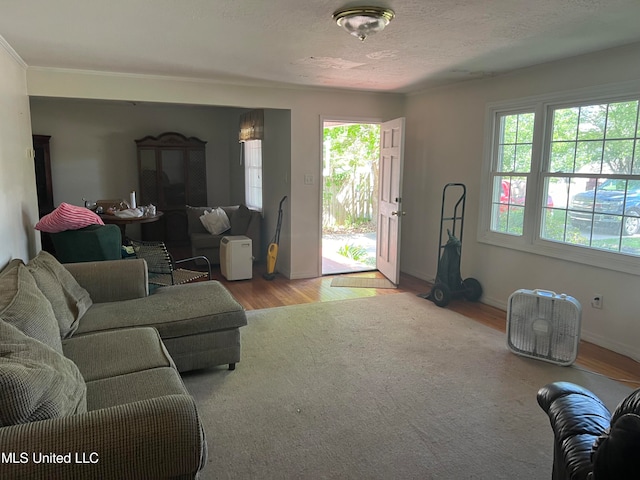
{"x": 543, "y": 325}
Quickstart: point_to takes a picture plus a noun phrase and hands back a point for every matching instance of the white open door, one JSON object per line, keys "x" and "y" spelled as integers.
{"x": 390, "y": 198}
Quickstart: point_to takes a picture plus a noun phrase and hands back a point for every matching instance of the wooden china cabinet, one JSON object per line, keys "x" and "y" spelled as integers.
{"x": 44, "y": 186}
{"x": 172, "y": 173}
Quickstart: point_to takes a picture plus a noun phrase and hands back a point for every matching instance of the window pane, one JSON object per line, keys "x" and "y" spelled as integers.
{"x": 589, "y": 157}
{"x": 508, "y": 129}
{"x": 515, "y": 220}
{"x": 523, "y": 158}
{"x": 253, "y": 174}
{"x": 506, "y": 158}
{"x": 565, "y": 124}
{"x": 621, "y": 119}
{"x": 635, "y": 169}
{"x": 525, "y": 127}
{"x": 513, "y": 155}
{"x": 562, "y": 157}
{"x": 618, "y": 155}
{"x": 596, "y": 211}
{"x": 553, "y": 224}
{"x": 593, "y": 119}
{"x": 630, "y": 245}
{"x": 557, "y": 189}
{"x": 514, "y": 144}
{"x": 508, "y": 204}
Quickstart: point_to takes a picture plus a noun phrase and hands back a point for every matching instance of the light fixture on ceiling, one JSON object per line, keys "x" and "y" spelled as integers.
{"x": 363, "y": 21}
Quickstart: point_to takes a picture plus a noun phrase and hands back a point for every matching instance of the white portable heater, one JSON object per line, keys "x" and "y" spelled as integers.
{"x": 236, "y": 260}
{"x": 544, "y": 325}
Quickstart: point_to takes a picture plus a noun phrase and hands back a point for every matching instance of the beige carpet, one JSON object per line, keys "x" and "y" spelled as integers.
{"x": 361, "y": 282}
{"x": 389, "y": 387}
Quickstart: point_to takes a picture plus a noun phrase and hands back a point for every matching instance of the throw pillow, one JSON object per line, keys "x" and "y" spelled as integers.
{"x": 37, "y": 383}
{"x": 215, "y": 221}
{"x": 27, "y": 309}
{"x": 240, "y": 220}
{"x": 68, "y": 217}
{"x": 69, "y": 300}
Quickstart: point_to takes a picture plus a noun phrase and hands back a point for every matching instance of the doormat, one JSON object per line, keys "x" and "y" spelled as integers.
{"x": 180, "y": 276}
{"x": 361, "y": 282}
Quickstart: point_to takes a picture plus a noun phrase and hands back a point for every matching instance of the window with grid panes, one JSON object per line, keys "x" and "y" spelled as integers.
{"x": 570, "y": 187}
{"x": 511, "y": 170}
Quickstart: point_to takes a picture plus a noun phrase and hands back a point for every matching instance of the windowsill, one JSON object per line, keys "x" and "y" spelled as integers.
{"x": 576, "y": 254}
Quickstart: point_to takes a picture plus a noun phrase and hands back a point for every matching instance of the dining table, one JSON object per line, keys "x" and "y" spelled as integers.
{"x": 122, "y": 222}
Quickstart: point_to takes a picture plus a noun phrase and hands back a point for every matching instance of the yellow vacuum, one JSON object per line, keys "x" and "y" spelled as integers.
{"x": 272, "y": 251}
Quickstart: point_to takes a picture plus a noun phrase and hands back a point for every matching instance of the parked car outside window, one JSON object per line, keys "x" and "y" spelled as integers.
{"x": 515, "y": 195}
{"x": 605, "y": 205}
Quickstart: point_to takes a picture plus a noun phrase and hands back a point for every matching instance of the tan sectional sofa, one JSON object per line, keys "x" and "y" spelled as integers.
{"x": 89, "y": 369}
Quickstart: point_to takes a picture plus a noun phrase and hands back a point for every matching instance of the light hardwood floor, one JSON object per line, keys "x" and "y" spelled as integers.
{"x": 259, "y": 293}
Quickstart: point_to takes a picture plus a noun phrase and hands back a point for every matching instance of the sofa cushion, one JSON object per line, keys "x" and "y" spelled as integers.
{"x": 67, "y": 217}
{"x": 134, "y": 387}
{"x": 194, "y": 225}
{"x": 215, "y": 221}
{"x": 116, "y": 352}
{"x": 176, "y": 311}
{"x": 240, "y": 220}
{"x": 205, "y": 240}
{"x": 9, "y": 282}
{"x": 69, "y": 300}
{"x": 24, "y": 306}
{"x": 37, "y": 383}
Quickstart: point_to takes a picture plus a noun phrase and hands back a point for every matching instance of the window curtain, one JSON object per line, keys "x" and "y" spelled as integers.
{"x": 251, "y": 126}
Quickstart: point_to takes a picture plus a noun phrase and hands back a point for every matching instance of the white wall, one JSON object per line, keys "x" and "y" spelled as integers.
{"x": 277, "y": 146}
{"x": 18, "y": 200}
{"x": 444, "y": 143}
{"x": 306, "y": 106}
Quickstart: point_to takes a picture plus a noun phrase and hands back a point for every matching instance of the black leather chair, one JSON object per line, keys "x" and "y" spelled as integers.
{"x": 590, "y": 442}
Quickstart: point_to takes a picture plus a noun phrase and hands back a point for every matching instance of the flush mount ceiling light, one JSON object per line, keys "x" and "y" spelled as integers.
{"x": 363, "y": 21}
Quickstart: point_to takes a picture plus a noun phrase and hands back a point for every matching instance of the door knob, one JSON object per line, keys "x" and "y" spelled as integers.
{"x": 399, "y": 213}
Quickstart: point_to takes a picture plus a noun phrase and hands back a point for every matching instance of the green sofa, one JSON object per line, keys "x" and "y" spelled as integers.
{"x": 89, "y": 369}
{"x": 88, "y": 244}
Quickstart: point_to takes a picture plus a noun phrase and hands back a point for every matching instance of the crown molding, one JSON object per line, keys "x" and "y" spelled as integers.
{"x": 223, "y": 81}
{"x": 9, "y": 49}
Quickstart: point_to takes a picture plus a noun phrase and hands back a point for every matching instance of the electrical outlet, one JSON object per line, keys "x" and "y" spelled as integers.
{"x": 596, "y": 301}
{"x": 308, "y": 179}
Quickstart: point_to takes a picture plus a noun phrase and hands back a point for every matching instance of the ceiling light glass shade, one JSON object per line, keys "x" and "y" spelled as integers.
{"x": 363, "y": 21}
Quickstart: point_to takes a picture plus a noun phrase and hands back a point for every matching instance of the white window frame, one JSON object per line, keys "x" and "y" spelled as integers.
{"x": 530, "y": 240}
{"x": 252, "y": 173}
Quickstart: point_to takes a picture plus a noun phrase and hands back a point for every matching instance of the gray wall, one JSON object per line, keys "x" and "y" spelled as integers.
{"x": 94, "y": 140}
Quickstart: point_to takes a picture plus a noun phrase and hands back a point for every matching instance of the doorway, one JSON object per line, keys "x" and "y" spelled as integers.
{"x": 350, "y": 170}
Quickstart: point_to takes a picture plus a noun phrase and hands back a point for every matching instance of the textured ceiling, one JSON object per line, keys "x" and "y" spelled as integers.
{"x": 430, "y": 42}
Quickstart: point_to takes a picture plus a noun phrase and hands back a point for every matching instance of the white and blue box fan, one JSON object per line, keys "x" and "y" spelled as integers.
{"x": 544, "y": 325}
